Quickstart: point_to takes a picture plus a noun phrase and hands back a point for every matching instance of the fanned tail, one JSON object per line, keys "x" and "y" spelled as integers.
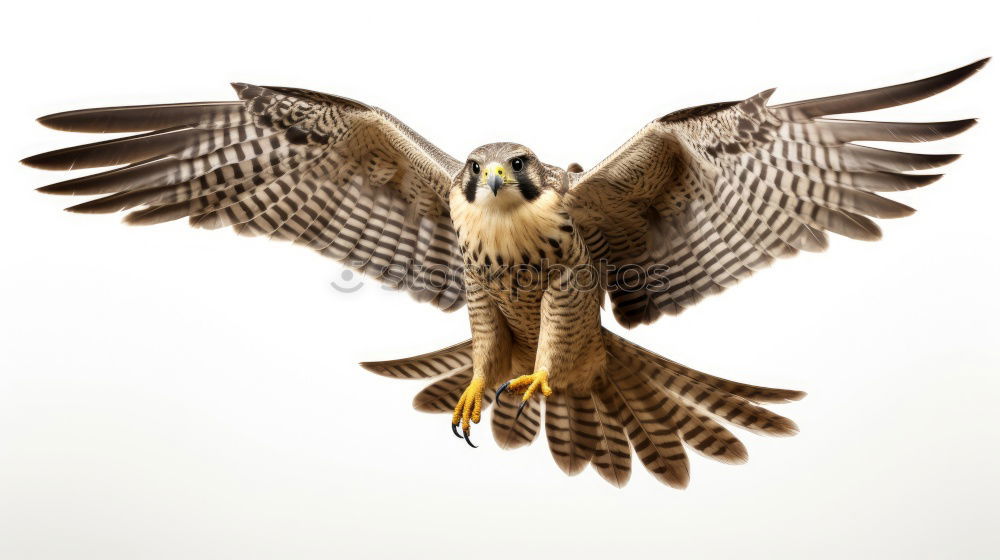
{"x": 659, "y": 408}
{"x": 642, "y": 402}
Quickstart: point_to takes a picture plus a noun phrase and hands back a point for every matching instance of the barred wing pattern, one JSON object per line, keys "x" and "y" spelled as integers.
{"x": 703, "y": 197}
{"x": 345, "y": 179}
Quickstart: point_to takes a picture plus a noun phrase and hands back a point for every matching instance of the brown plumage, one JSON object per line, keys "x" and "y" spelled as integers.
{"x": 694, "y": 202}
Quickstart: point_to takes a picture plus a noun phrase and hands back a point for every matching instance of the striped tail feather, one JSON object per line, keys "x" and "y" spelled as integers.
{"x": 571, "y": 429}
{"x": 613, "y": 455}
{"x": 659, "y": 408}
{"x": 511, "y": 432}
{"x": 642, "y": 402}
{"x": 649, "y": 427}
{"x": 446, "y": 361}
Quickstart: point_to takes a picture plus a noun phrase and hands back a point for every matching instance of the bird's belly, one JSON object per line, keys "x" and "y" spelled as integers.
{"x": 518, "y": 295}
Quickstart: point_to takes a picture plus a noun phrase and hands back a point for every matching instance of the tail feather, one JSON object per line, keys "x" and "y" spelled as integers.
{"x": 697, "y": 430}
{"x": 754, "y": 393}
{"x": 658, "y": 447}
{"x": 748, "y": 415}
{"x": 711, "y": 439}
{"x": 571, "y": 430}
{"x": 584, "y": 423}
{"x": 511, "y": 432}
{"x": 446, "y": 361}
{"x": 703, "y": 392}
{"x": 642, "y": 401}
{"x": 662, "y": 403}
{"x": 613, "y": 455}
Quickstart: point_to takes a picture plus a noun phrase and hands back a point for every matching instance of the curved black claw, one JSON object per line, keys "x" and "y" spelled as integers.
{"x": 467, "y": 440}
{"x": 454, "y": 430}
{"x": 520, "y": 409}
{"x": 500, "y": 391}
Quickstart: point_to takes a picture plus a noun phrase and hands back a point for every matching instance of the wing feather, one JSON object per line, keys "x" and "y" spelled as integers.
{"x": 347, "y": 180}
{"x": 139, "y": 118}
{"x": 879, "y": 98}
{"x": 703, "y": 197}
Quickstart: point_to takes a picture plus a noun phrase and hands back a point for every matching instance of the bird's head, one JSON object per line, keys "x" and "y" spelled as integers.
{"x": 503, "y": 175}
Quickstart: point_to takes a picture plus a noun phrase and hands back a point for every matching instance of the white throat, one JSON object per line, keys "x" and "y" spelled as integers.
{"x": 505, "y": 225}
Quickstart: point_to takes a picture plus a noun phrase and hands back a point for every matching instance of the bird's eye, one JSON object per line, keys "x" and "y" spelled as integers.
{"x": 475, "y": 168}
{"x": 517, "y": 164}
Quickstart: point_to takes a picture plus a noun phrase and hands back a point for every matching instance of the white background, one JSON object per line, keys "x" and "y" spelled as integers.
{"x": 174, "y": 393}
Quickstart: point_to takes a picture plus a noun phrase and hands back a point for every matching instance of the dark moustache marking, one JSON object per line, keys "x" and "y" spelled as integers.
{"x": 529, "y": 190}
{"x": 470, "y": 188}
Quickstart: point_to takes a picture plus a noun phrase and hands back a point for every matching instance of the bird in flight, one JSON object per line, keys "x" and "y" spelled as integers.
{"x": 694, "y": 202}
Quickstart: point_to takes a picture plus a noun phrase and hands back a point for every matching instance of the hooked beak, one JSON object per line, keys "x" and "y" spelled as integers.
{"x": 494, "y": 180}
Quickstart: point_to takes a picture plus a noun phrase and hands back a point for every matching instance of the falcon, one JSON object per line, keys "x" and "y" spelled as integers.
{"x": 694, "y": 202}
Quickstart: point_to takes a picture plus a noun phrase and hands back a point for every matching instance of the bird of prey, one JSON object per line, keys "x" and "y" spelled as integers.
{"x": 694, "y": 202}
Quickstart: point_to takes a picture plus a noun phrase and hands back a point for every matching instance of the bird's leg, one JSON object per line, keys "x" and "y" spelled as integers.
{"x": 469, "y": 408}
{"x": 526, "y": 386}
{"x": 491, "y": 349}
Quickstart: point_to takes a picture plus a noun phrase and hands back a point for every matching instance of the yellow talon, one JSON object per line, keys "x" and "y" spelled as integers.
{"x": 529, "y": 384}
{"x": 469, "y": 408}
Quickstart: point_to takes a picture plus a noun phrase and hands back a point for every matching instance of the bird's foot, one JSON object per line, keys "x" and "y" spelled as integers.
{"x": 526, "y": 386}
{"x": 469, "y": 408}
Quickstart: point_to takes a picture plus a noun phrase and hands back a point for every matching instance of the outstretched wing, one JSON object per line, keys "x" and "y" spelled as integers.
{"x": 335, "y": 175}
{"x": 705, "y": 196}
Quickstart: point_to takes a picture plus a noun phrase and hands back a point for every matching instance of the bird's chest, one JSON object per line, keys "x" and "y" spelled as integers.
{"x": 513, "y": 254}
